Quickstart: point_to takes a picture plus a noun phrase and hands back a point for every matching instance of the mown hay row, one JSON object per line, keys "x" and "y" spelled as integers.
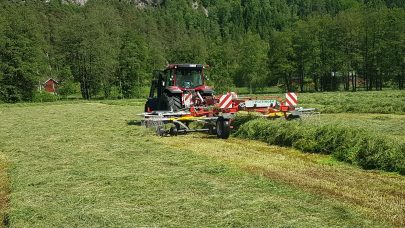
{"x": 356, "y": 146}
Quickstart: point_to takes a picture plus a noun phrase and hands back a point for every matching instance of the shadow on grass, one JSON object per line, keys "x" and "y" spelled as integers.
{"x": 4, "y": 194}
{"x": 6, "y": 222}
{"x": 134, "y": 123}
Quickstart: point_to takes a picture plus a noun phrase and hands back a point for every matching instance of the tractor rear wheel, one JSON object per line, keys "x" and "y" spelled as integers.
{"x": 173, "y": 131}
{"x": 223, "y": 128}
{"x": 175, "y": 102}
{"x": 171, "y": 102}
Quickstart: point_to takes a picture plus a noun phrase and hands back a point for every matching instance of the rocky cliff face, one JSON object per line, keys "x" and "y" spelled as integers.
{"x": 79, "y": 2}
{"x": 144, "y": 3}
{"x": 138, "y": 3}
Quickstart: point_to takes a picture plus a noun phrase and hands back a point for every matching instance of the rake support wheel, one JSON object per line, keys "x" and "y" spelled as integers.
{"x": 223, "y": 128}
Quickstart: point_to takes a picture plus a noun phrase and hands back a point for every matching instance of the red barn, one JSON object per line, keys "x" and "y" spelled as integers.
{"x": 50, "y": 85}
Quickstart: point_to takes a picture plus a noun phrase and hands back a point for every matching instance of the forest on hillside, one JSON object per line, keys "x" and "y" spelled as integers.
{"x": 114, "y": 45}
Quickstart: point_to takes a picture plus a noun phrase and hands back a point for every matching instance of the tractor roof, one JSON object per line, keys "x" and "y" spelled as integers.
{"x": 186, "y": 65}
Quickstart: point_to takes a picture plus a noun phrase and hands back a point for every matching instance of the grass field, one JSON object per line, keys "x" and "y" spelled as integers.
{"x": 389, "y": 125}
{"x": 82, "y": 164}
{"x": 381, "y": 102}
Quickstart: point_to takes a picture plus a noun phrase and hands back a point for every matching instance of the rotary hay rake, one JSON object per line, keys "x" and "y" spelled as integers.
{"x": 216, "y": 117}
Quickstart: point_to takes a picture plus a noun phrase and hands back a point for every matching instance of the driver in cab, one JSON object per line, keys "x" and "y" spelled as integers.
{"x": 183, "y": 79}
{"x": 188, "y": 79}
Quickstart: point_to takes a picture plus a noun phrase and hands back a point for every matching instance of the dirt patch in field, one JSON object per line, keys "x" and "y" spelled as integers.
{"x": 4, "y": 193}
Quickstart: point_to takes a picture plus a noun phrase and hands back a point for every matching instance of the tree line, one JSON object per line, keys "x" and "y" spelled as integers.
{"x": 108, "y": 46}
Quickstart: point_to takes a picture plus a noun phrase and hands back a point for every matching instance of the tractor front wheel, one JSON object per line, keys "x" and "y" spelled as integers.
{"x": 223, "y": 128}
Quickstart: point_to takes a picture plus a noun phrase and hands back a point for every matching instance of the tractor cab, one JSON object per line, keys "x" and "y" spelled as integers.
{"x": 186, "y": 76}
{"x": 177, "y": 80}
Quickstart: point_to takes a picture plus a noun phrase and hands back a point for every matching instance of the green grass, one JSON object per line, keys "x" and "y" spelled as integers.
{"x": 380, "y": 195}
{"x": 386, "y": 125}
{"x": 386, "y": 102}
{"x": 81, "y": 165}
{"x": 139, "y": 102}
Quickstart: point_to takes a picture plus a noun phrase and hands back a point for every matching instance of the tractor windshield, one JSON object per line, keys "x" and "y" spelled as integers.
{"x": 189, "y": 77}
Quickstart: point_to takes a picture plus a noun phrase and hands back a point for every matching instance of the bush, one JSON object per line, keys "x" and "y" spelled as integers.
{"x": 44, "y": 97}
{"x": 10, "y": 94}
{"x": 368, "y": 150}
{"x": 67, "y": 88}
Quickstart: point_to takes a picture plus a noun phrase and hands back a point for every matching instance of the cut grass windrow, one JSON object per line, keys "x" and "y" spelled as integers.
{"x": 353, "y": 145}
{"x": 382, "y": 195}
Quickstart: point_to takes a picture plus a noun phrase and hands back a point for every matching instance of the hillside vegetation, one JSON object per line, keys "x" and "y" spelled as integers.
{"x": 110, "y": 48}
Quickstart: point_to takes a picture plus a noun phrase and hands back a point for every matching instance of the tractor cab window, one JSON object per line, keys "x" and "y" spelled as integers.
{"x": 169, "y": 78}
{"x": 189, "y": 77}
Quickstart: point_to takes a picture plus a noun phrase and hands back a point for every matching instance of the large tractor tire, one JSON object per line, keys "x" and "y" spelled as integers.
{"x": 171, "y": 102}
{"x": 223, "y": 128}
